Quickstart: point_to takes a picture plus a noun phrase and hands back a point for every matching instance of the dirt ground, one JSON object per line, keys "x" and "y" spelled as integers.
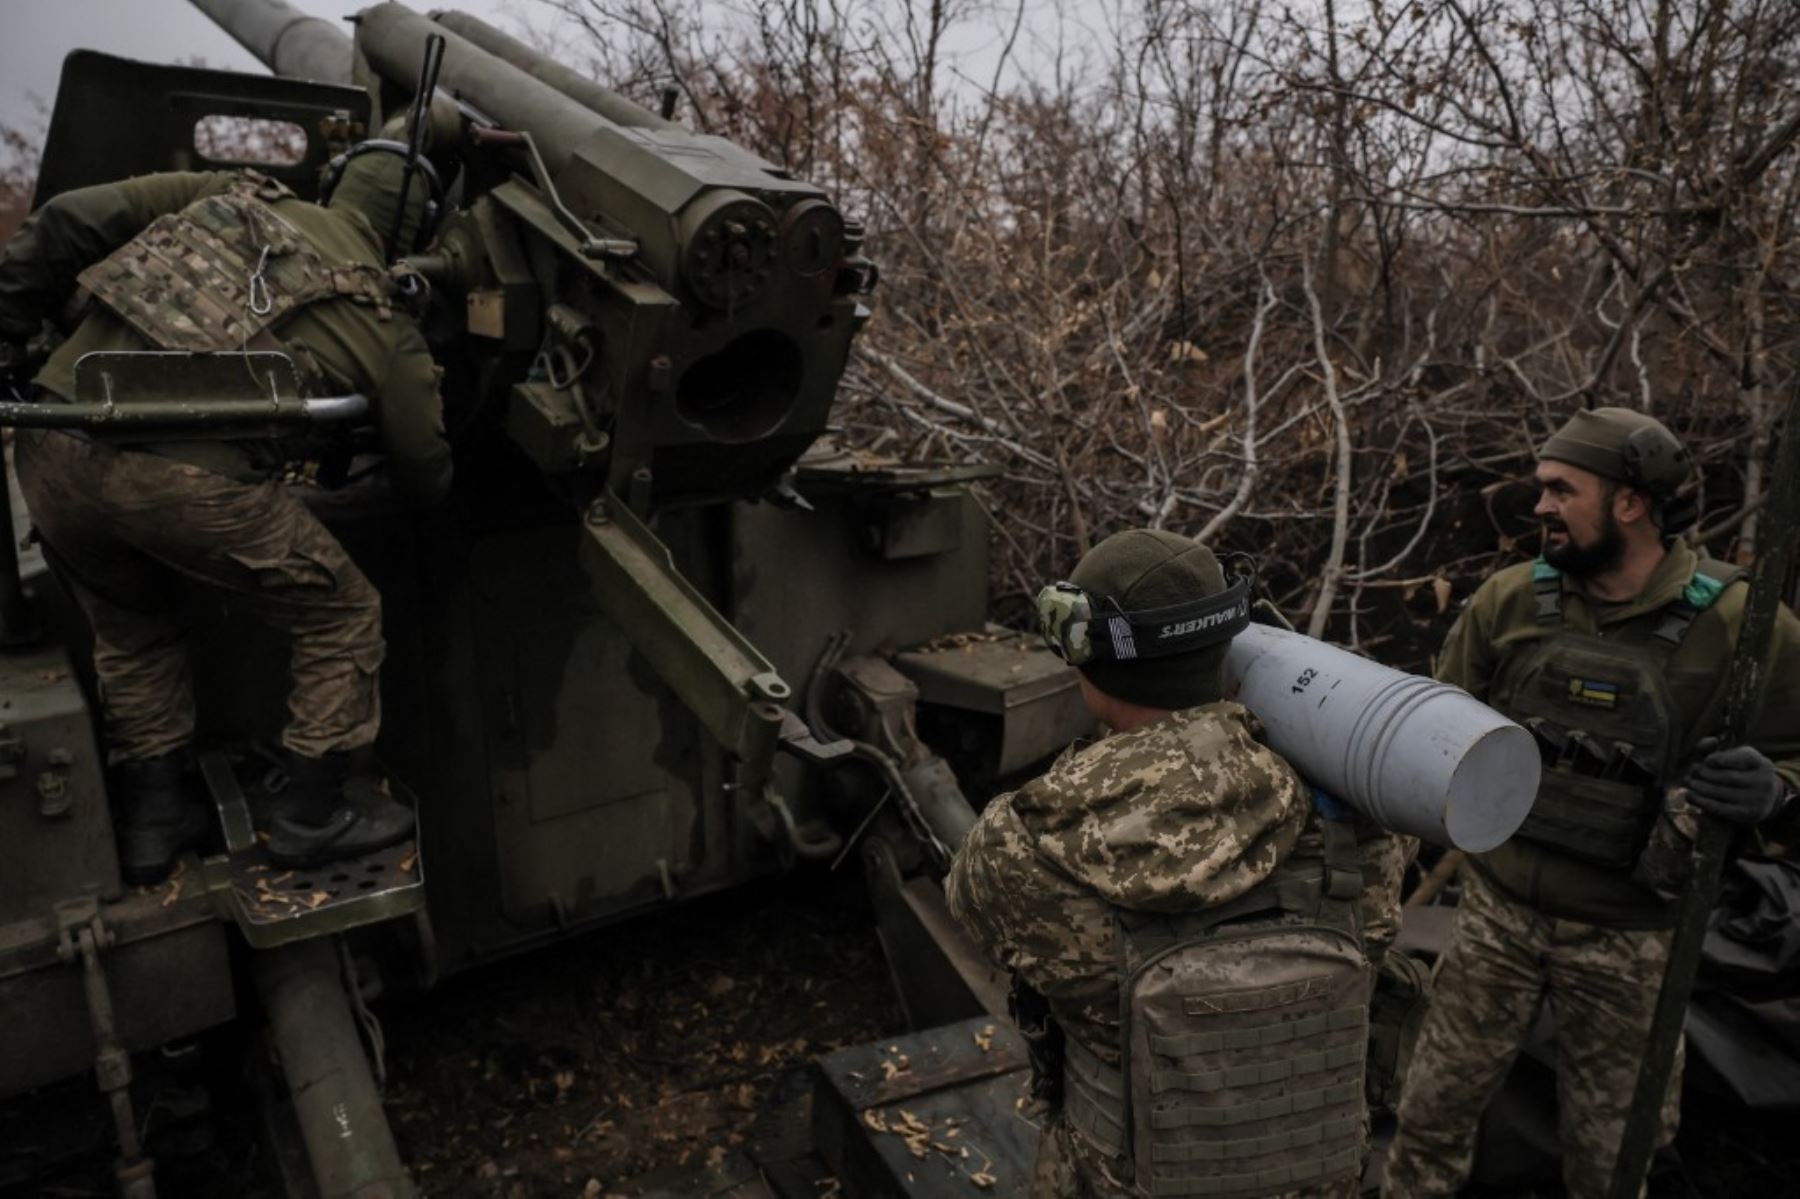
{"x": 659, "y": 1044}
{"x": 667, "y": 1043}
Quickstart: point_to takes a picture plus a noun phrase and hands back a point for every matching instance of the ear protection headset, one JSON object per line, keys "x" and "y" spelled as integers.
{"x": 434, "y": 203}
{"x": 1083, "y": 628}
{"x": 1657, "y": 464}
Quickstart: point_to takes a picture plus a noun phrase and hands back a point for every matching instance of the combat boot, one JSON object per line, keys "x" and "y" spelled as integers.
{"x": 321, "y": 823}
{"x": 159, "y": 818}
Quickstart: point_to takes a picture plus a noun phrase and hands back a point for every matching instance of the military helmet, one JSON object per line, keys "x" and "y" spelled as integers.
{"x": 1633, "y": 448}
{"x": 1146, "y": 617}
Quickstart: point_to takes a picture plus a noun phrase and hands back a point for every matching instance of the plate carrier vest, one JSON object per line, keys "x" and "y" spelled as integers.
{"x": 1243, "y": 1030}
{"x": 219, "y": 273}
{"x": 1605, "y": 721}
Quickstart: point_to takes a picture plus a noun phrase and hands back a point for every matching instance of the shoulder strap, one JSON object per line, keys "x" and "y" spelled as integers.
{"x": 1708, "y": 583}
{"x": 255, "y": 184}
{"x": 1546, "y": 584}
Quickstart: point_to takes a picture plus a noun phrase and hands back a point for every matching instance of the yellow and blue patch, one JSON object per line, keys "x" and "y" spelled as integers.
{"x": 1594, "y": 693}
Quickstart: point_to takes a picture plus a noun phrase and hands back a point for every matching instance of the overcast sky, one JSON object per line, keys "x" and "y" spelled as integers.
{"x": 36, "y": 34}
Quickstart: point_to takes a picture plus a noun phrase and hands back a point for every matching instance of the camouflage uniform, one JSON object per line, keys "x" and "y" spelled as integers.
{"x": 1538, "y": 924}
{"x": 1385, "y": 857}
{"x": 125, "y": 525}
{"x": 1184, "y": 814}
{"x": 1502, "y": 958}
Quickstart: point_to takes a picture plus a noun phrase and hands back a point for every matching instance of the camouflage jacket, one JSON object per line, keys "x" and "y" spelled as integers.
{"x": 1178, "y": 816}
{"x": 353, "y": 346}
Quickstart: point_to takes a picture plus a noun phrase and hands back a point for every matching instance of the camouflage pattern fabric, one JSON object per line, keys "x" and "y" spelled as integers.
{"x": 125, "y": 528}
{"x": 346, "y": 343}
{"x": 1181, "y": 815}
{"x": 1068, "y": 1168}
{"x": 1384, "y": 857}
{"x": 1064, "y": 618}
{"x": 222, "y": 270}
{"x": 1504, "y": 957}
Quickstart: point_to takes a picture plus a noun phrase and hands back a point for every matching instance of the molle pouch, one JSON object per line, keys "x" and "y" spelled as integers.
{"x": 1397, "y": 1010}
{"x": 1598, "y": 820}
{"x": 221, "y": 271}
{"x": 1667, "y": 864}
{"x": 1245, "y": 1052}
{"x": 1606, "y": 725}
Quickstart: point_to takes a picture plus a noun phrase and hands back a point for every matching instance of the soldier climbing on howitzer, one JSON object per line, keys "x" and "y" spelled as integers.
{"x": 207, "y": 262}
{"x": 1177, "y": 908}
{"x": 1611, "y": 648}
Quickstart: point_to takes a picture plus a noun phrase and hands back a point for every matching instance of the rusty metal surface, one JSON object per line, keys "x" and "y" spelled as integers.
{"x": 932, "y": 1113}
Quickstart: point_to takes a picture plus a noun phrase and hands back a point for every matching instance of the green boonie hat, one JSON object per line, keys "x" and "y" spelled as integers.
{"x": 371, "y": 186}
{"x": 1624, "y": 445}
{"x": 1148, "y": 568}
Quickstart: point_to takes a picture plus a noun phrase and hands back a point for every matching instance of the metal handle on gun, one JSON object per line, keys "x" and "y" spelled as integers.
{"x": 591, "y": 246}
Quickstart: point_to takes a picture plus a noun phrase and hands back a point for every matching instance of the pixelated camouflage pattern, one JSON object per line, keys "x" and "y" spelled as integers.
{"x": 1186, "y": 813}
{"x": 1064, "y": 619}
{"x": 1502, "y": 958}
{"x": 222, "y": 270}
{"x": 1384, "y": 857}
{"x": 1068, "y": 1168}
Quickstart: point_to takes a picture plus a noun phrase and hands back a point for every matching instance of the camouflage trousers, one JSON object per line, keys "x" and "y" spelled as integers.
{"x": 125, "y": 527}
{"x": 1503, "y": 956}
{"x": 1070, "y": 1167}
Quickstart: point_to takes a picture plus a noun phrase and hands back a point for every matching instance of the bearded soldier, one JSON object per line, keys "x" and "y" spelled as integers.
{"x": 1611, "y": 648}
{"x": 1180, "y": 925}
{"x": 225, "y": 261}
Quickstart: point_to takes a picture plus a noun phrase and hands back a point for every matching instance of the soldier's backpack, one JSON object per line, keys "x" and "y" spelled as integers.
{"x": 1244, "y": 1031}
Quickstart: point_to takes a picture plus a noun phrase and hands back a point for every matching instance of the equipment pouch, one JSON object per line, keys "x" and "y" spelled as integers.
{"x": 1045, "y": 1047}
{"x": 1396, "y": 1013}
{"x": 1667, "y": 863}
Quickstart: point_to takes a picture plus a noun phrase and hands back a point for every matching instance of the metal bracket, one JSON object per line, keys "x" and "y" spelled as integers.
{"x": 734, "y": 691}
{"x": 81, "y": 935}
{"x": 228, "y": 798}
{"x": 589, "y": 245}
{"x": 794, "y": 841}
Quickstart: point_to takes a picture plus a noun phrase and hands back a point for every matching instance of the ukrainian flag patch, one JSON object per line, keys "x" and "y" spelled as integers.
{"x": 1594, "y": 693}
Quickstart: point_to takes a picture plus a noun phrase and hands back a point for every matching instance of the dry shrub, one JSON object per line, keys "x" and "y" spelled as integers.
{"x": 1306, "y": 284}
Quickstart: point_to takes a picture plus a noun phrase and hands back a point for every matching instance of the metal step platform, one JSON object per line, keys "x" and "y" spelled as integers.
{"x": 273, "y": 905}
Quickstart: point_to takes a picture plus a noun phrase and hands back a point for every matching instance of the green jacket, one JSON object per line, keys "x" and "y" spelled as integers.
{"x": 1500, "y": 622}
{"x": 355, "y": 349}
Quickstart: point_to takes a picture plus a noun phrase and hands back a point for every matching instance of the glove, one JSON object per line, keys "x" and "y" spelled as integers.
{"x": 1738, "y": 784}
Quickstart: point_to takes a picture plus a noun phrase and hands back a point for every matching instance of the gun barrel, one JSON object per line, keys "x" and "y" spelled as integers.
{"x": 284, "y": 39}
{"x": 577, "y": 87}
{"x": 391, "y": 37}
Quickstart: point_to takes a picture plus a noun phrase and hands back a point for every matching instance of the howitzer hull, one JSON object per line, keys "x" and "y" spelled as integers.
{"x": 1416, "y": 756}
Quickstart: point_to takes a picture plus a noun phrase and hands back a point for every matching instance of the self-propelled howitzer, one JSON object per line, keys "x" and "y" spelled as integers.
{"x": 662, "y": 640}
